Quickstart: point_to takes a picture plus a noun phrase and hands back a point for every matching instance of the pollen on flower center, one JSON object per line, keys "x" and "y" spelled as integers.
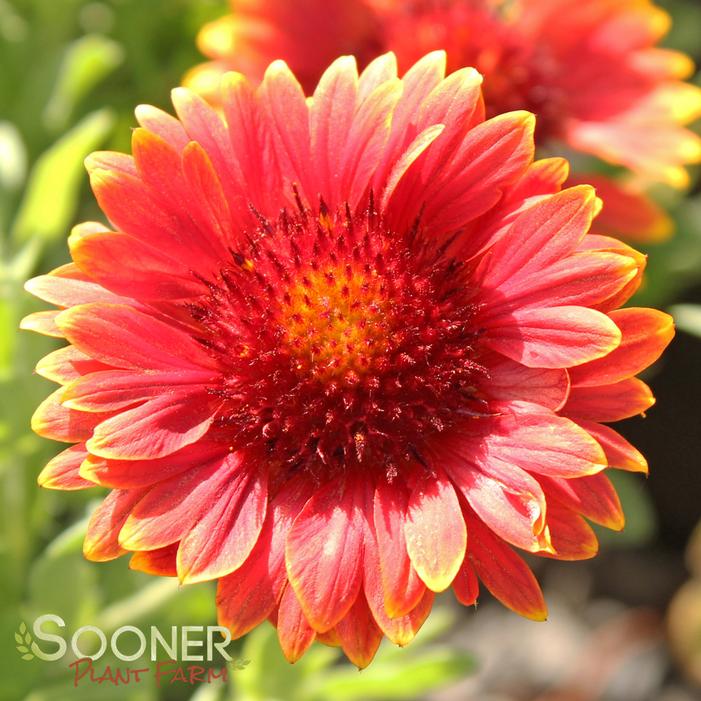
{"x": 337, "y": 321}
{"x": 341, "y": 342}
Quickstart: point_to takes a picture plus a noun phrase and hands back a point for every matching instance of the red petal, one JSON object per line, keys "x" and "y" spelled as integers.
{"x": 101, "y": 540}
{"x": 159, "y": 562}
{"x": 593, "y": 497}
{"x": 155, "y": 429}
{"x": 162, "y": 124}
{"x": 401, "y": 630}
{"x": 67, "y": 364}
{"x": 619, "y": 452}
{"x": 170, "y": 508}
{"x": 222, "y": 540}
{"x": 570, "y": 534}
{"x": 288, "y": 116}
{"x": 293, "y": 630}
{"x": 206, "y": 128}
{"x": 324, "y": 551}
{"x": 506, "y": 498}
{"x": 435, "y": 531}
{"x": 614, "y": 402}
{"x": 401, "y": 585}
{"x": 556, "y": 337}
{"x": 122, "y": 336}
{"x": 62, "y": 472}
{"x": 511, "y": 381}
{"x": 67, "y": 286}
{"x": 112, "y": 390}
{"x": 646, "y": 333}
{"x": 627, "y": 211}
{"x": 541, "y": 236}
{"x": 330, "y": 116}
{"x": 43, "y": 323}
{"x": 504, "y": 573}
{"x": 358, "y": 633}
{"x": 53, "y": 420}
{"x": 160, "y": 167}
{"x": 247, "y": 596}
{"x": 145, "y": 271}
{"x": 466, "y": 584}
{"x": 537, "y": 440}
{"x": 584, "y": 279}
{"x": 127, "y": 474}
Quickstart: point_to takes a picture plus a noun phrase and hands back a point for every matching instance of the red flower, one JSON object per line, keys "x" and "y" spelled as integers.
{"x": 590, "y": 71}
{"x": 343, "y": 353}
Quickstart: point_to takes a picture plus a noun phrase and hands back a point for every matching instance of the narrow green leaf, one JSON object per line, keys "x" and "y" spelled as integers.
{"x": 687, "y": 317}
{"x": 13, "y": 158}
{"x": 51, "y": 197}
{"x": 86, "y": 62}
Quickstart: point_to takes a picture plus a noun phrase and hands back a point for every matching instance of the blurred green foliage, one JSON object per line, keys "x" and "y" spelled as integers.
{"x": 72, "y": 72}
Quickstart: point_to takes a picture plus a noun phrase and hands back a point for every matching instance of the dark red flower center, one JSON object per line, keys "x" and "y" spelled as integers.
{"x": 340, "y": 341}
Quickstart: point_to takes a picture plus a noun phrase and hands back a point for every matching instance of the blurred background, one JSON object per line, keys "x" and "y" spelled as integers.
{"x": 623, "y": 627}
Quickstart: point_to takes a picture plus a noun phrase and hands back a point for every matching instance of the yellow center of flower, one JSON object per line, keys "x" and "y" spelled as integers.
{"x": 336, "y": 321}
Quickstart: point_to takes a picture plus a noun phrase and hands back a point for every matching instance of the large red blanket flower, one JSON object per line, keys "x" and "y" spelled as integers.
{"x": 342, "y": 353}
{"x": 591, "y": 71}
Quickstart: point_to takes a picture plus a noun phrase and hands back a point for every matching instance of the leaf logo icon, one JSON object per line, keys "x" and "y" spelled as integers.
{"x": 23, "y": 640}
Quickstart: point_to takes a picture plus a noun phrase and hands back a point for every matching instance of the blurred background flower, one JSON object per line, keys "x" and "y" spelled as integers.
{"x": 606, "y": 95}
{"x": 72, "y": 72}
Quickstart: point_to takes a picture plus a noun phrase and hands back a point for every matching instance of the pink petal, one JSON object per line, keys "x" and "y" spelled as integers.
{"x": 156, "y": 428}
{"x": 435, "y": 532}
{"x": 555, "y": 337}
{"x": 401, "y": 585}
{"x": 223, "y": 538}
{"x": 324, "y": 551}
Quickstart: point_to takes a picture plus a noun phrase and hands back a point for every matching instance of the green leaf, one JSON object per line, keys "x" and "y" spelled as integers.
{"x": 13, "y": 158}
{"x": 53, "y": 189}
{"x": 687, "y": 317}
{"x": 408, "y": 676}
{"x": 86, "y": 62}
{"x": 28, "y": 656}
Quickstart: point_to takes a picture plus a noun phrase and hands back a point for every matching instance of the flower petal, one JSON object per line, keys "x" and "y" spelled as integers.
{"x": 293, "y": 630}
{"x": 63, "y": 471}
{"x": 555, "y": 337}
{"x": 223, "y": 538}
{"x": 122, "y": 336}
{"x": 608, "y": 403}
{"x": 157, "y": 428}
{"x": 504, "y": 573}
{"x": 435, "y": 531}
{"x": 324, "y": 551}
{"x": 101, "y": 539}
{"x": 358, "y": 633}
{"x": 646, "y": 333}
{"x": 171, "y": 507}
{"x": 247, "y": 596}
{"x": 401, "y": 585}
